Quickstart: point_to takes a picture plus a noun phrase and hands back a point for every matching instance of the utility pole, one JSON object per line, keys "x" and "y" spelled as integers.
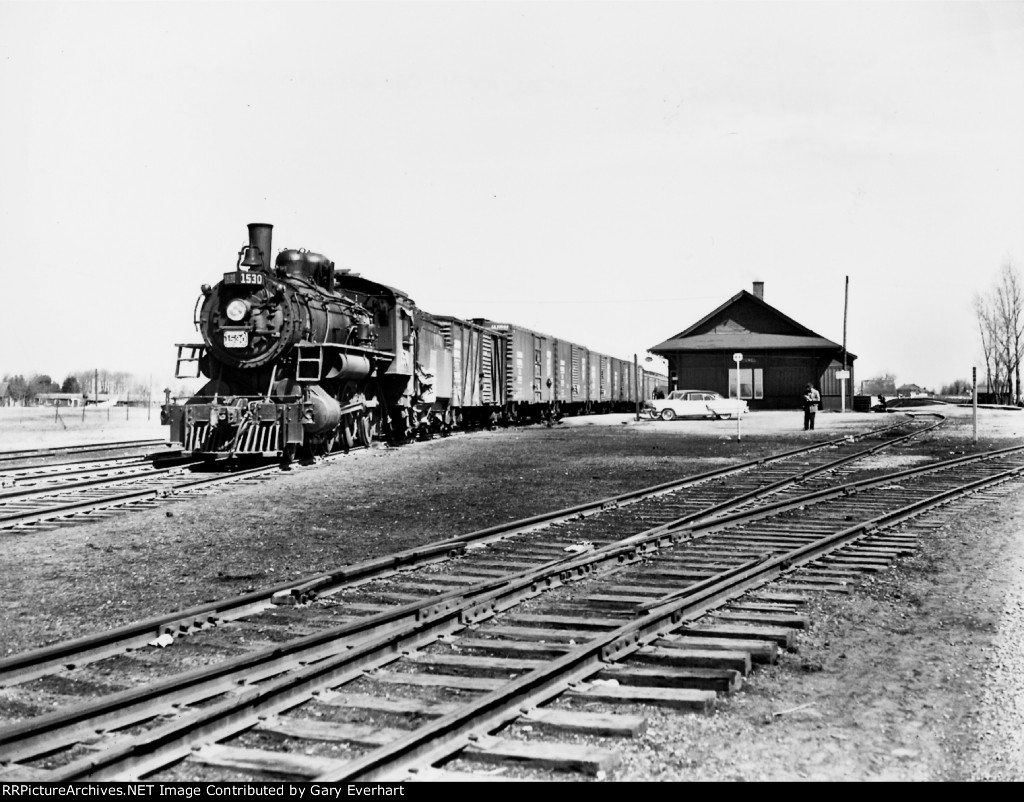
{"x": 636, "y": 385}
{"x": 844, "y": 375}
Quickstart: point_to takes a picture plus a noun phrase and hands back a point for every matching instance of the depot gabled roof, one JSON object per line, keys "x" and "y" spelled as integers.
{"x": 746, "y": 322}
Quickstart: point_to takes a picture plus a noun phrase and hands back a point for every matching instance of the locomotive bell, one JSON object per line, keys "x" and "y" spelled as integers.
{"x": 250, "y": 257}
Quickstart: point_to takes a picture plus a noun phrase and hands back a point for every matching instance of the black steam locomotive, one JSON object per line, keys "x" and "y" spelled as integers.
{"x": 302, "y": 359}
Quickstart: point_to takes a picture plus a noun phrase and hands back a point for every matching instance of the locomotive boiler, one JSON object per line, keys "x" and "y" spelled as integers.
{"x": 297, "y": 357}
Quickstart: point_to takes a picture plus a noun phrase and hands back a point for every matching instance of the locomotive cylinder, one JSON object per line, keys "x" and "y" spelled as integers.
{"x": 321, "y": 413}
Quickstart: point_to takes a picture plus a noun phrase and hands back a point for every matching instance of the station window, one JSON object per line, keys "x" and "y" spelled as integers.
{"x": 751, "y": 383}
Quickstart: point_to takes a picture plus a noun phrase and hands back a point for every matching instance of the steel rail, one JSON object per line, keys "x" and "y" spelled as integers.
{"x": 35, "y": 663}
{"x": 447, "y": 735}
{"x": 29, "y": 473}
{"x": 803, "y": 476}
{"x": 453, "y": 732}
{"x": 71, "y": 654}
{"x": 53, "y": 452}
{"x": 119, "y": 499}
{"x": 223, "y": 719}
{"x": 771, "y": 508}
{"x": 147, "y": 472}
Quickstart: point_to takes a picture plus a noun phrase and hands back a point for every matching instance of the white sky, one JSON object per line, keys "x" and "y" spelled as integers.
{"x": 604, "y": 172}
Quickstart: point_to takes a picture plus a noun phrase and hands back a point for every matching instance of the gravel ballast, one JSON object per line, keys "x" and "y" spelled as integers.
{"x": 915, "y": 675}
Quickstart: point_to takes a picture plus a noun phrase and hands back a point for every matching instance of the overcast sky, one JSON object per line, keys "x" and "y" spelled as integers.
{"x": 604, "y": 172}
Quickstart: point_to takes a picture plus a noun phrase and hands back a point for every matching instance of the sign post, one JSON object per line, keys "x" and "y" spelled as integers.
{"x": 737, "y": 358}
{"x": 842, "y": 375}
{"x": 974, "y": 402}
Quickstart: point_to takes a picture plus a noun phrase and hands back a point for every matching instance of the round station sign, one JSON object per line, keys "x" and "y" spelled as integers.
{"x": 737, "y": 357}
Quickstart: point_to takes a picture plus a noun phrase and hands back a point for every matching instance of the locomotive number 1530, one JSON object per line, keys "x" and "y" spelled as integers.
{"x": 236, "y": 339}
{"x": 239, "y": 277}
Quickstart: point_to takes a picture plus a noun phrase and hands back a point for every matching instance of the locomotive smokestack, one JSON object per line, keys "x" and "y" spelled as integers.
{"x": 260, "y": 237}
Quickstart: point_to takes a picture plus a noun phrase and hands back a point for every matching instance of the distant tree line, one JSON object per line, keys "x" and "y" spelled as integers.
{"x": 87, "y": 383}
{"x": 960, "y": 387}
{"x": 885, "y": 384}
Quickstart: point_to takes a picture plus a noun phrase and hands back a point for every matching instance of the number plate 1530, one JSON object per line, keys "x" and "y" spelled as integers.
{"x": 236, "y": 339}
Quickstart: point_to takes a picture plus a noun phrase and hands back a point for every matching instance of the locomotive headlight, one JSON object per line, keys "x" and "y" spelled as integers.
{"x": 236, "y": 310}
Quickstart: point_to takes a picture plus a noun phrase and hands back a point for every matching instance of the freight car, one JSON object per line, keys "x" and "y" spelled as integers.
{"x": 301, "y": 358}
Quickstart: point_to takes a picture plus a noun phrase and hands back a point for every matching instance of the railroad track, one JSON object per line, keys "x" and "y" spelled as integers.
{"x": 638, "y": 589}
{"x": 35, "y": 490}
{"x": 50, "y": 496}
{"x": 613, "y": 518}
{"x": 43, "y": 475}
{"x": 36, "y": 455}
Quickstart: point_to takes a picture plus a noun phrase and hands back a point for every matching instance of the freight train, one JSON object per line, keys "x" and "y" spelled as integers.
{"x": 301, "y": 359}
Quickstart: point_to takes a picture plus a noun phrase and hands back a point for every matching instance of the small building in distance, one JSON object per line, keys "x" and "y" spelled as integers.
{"x": 780, "y": 356}
{"x": 101, "y": 399}
{"x": 878, "y": 387}
{"x": 60, "y": 400}
{"x": 911, "y": 391}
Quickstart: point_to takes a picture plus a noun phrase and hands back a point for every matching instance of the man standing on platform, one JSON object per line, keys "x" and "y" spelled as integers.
{"x": 812, "y": 400}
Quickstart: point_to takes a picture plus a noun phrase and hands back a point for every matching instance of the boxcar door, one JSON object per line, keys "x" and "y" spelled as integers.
{"x": 487, "y": 370}
{"x": 576, "y": 375}
{"x": 538, "y": 369}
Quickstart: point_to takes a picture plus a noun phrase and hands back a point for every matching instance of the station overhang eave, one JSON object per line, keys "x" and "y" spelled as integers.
{"x": 709, "y": 344}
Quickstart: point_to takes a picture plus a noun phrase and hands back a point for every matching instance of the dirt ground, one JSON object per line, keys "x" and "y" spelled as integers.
{"x": 916, "y": 675}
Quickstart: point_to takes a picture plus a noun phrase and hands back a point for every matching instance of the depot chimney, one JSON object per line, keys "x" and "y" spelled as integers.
{"x": 759, "y": 290}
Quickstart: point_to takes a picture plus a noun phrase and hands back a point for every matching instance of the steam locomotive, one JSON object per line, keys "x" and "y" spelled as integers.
{"x": 302, "y": 359}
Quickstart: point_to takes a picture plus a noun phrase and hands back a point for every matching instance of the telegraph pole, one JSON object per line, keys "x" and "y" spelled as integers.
{"x": 845, "y": 374}
{"x": 636, "y": 385}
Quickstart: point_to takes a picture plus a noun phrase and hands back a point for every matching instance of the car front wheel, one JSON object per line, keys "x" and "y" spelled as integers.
{"x": 667, "y": 414}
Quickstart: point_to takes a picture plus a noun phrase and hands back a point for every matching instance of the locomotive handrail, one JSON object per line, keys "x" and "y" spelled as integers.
{"x": 361, "y": 349}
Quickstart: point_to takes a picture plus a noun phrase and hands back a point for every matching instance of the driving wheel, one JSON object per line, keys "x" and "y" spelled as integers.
{"x": 364, "y": 429}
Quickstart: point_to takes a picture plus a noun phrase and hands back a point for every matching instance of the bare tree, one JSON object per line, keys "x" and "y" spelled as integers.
{"x": 1000, "y": 314}
{"x": 959, "y": 387}
{"x": 1010, "y": 304}
{"x": 986, "y": 328}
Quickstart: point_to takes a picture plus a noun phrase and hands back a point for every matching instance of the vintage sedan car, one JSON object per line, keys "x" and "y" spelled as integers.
{"x": 694, "y": 404}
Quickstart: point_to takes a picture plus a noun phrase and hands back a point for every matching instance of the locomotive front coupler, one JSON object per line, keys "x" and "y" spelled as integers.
{"x": 227, "y": 413}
